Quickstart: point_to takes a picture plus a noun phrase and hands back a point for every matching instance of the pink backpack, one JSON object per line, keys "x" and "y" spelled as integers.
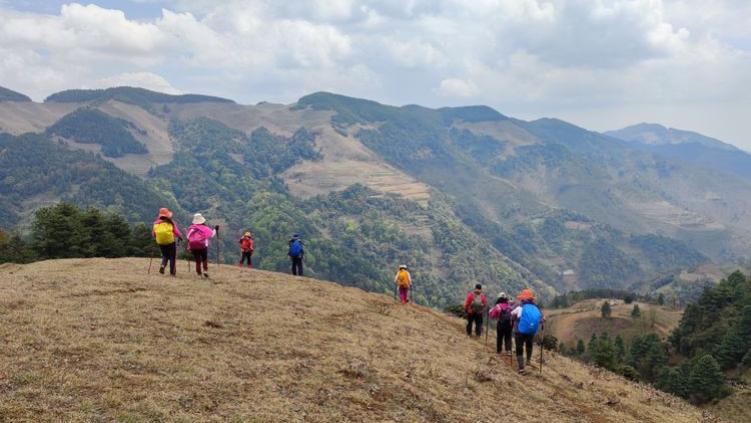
{"x": 196, "y": 238}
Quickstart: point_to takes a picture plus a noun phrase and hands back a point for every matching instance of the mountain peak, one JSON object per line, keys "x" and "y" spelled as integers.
{"x": 10, "y": 95}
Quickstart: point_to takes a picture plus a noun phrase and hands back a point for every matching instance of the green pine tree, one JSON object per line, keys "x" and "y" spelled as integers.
{"x": 605, "y": 310}
{"x": 580, "y": 348}
{"x": 636, "y": 312}
{"x": 604, "y": 354}
{"x": 706, "y": 380}
{"x": 620, "y": 348}
{"x": 661, "y": 299}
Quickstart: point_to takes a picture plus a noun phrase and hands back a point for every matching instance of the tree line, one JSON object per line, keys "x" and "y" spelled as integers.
{"x": 710, "y": 345}
{"x": 65, "y": 231}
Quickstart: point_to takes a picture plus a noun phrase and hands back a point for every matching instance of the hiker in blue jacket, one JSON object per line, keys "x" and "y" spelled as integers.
{"x": 296, "y": 254}
{"x": 527, "y": 319}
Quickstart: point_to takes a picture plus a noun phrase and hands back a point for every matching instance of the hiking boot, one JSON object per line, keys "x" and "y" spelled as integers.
{"x": 529, "y": 361}
{"x": 205, "y": 275}
{"x": 521, "y": 371}
{"x": 508, "y": 353}
{"x": 161, "y": 269}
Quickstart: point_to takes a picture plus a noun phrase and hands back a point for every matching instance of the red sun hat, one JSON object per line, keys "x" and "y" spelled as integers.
{"x": 164, "y": 212}
{"x": 526, "y": 294}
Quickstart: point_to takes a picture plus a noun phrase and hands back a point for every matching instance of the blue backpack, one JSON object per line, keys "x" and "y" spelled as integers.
{"x": 295, "y": 249}
{"x": 530, "y": 320}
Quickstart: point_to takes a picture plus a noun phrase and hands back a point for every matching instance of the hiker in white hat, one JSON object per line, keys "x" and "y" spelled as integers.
{"x": 198, "y": 243}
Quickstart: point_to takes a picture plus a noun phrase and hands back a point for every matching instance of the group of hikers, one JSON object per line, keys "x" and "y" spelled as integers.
{"x": 520, "y": 320}
{"x": 167, "y": 234}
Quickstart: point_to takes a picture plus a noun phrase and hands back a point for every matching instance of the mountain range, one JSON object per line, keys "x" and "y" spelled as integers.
{"x": 462, "y": 195}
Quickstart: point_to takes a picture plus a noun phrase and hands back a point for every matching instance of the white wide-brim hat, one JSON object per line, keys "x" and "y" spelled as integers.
{"x": 198, "y": 219}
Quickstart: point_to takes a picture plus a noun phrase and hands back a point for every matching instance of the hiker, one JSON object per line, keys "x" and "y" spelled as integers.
{"x": 296, "y": 254}
{"x": 502, "y": 313}
{"x": 246, "y": 248}
{"x": 527, "y": 319}
{"x": 474, "y": 306}
{"x": 166, "y": 233}
{"x": 198, "y": 234}
{"x": 403, "y": 281}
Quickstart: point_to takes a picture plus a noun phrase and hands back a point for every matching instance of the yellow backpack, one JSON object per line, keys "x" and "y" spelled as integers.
{"x": 164, "y": 233}
{"x": 403, "y": 279}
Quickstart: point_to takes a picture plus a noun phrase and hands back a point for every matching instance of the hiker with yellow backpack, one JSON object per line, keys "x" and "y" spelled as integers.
{"x": 166, "y": 233}
{"x": 403, "y": 281}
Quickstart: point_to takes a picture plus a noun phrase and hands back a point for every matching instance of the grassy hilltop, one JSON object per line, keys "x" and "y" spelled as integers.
{"x": 99, "y": 340}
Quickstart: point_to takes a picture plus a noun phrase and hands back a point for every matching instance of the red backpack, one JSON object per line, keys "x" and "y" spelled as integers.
{"x": 246, "y": 244}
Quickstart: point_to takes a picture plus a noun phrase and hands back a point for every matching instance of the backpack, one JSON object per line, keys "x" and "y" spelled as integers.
{"x": 530, "y": 319}
{"x": 476, "y": 305}
{"x": 245, "y": 244}
{"x": 505, "y": 315}
{"x": 403, "y": 279}
{"x": 295, "y": 249}
{"x": 196, "y": 239}
{"x": 164, "y": 233}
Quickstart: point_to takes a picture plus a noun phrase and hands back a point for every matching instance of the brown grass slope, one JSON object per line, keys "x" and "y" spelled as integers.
{"x": 99, "y": 340}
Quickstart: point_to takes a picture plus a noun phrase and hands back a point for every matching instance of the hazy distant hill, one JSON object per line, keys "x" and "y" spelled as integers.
{"x": 463, "y": 194}
{"x": 10, "y": 95}
{"x": 688, "y": 147}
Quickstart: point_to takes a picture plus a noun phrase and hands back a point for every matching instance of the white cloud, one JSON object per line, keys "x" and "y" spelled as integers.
{"x": 531, "y": 57}
{"x": 455, "y": 87}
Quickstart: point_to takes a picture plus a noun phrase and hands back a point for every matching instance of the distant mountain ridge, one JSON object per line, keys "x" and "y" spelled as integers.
{"x": 139, "y": 96}
{"x": 688, "y": 147}
{"x": 10, "y": 95}
{"x": 461, "y": 194}
{"x": 656, "y": 134}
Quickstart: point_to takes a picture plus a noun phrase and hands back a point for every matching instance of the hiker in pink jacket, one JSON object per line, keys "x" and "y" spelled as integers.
{"x": 502, "y": 313}
{"x": 199, "y": 234}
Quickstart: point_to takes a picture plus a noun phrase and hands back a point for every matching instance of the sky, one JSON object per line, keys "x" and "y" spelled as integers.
{"x": 601, "y": 64}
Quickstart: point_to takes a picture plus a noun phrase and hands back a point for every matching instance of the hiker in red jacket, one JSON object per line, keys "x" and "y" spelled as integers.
{"x": 246, "y": 248}
{"x": 198, "y": 242}
{"x": 474, "y": 306}
{"x": 166, "y": 233}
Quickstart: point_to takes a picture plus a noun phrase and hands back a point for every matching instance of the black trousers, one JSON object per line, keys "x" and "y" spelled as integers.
{"x": 202, "y": 258}
{"x": 475, "y": 318}
{"x": 169, "y": 255}
{"x": 246, "y": 256}
{"x": 297, "y": 266}
{"x": 503, "y": 332}
{"x": 523, "y": 340}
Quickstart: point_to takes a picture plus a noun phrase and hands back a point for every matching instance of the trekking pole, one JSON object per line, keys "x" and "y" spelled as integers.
{"x": 218, "y": 241}
{"x": 487, "y": 327}
{"x": 542, "y": 346}
{"x": 151, "y": 258}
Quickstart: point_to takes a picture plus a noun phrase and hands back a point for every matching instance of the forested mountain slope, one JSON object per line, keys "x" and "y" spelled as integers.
{"x": 464, "y": 195}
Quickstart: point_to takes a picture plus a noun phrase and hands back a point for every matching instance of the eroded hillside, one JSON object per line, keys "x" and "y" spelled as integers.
{"x": 99, "y": 340}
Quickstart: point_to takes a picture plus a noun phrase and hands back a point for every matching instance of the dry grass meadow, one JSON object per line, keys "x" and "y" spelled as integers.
{"x": 584, "y": 318}
{"x": 100, "y": 341}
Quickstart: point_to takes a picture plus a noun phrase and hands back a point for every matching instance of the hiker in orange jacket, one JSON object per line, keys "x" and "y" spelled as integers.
{"x": 474, "y": 306}
{"x": 246, "y": 248}
{"x": 403, "y": 281}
